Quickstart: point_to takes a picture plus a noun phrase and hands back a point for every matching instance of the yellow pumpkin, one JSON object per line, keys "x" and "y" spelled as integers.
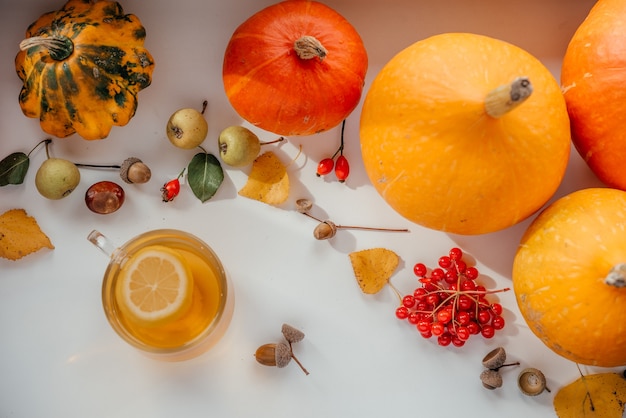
{"x": 82, "y": 67}
{"x": 464, "y": 133}
{"x": 569, "y": 276}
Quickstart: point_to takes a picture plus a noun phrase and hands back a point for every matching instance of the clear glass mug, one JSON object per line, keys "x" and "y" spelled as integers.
{"x": 212, "y": 303}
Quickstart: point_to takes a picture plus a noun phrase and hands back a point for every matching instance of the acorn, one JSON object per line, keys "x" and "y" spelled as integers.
{"x": 532, "y": 382}
{"x": 133, "y": 170}
{"x": 491, "y": 379}
{"x": 278, "y": 355}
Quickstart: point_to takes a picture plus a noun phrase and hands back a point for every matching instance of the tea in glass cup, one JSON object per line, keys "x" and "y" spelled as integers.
{"x": 166, "y": 293}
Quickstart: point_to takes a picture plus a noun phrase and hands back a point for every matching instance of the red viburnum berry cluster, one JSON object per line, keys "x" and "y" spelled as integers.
{"x": 449, "y": 304}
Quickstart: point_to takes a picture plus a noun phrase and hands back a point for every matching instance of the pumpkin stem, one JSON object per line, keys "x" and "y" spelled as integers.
{"x": 617, "y": 276}
{"x": 308, "y": 47}
{"x": 507, "y": 97}
{"x": 59, "y": 47}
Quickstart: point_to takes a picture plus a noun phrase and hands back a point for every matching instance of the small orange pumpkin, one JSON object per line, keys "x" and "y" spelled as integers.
{"x": 453, "y": 140}
{"x": 593, "y": 76}
{"x": 569, "y": 277}
{"x": 295, "y": 68}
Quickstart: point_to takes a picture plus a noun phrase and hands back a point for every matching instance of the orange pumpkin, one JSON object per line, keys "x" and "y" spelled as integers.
{"x": 593, "y": 77}
{"x": 569, "y": 277}
{"x": 295, "y": 68}
{"x": 464, "y": 133}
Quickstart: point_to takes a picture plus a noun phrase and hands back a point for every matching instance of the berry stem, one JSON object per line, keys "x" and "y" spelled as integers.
{"x": 340, "y": 149}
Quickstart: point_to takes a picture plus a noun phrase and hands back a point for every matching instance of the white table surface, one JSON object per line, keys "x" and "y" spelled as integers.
{"x": 60, "y": 358}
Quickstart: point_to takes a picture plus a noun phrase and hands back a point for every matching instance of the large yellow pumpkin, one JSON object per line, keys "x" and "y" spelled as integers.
{"x": 446, "y": 142}
{"x": 569, "y": 277}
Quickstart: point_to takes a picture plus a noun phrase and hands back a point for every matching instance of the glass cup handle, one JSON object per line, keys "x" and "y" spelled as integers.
{"x": 103, "y": 243}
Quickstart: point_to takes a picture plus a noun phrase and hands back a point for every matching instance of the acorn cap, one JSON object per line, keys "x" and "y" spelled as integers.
{"x": 303, "y": 205}
{"x": 495, "y": 358}
{"x": 491, "y": 379}
{"x": 531, "y": 381}
{"x": 283, "y": 355}
{"x": 292, "y": 334}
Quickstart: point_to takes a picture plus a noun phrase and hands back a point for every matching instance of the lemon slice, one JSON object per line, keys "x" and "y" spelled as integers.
{"x": 155, "y": 286}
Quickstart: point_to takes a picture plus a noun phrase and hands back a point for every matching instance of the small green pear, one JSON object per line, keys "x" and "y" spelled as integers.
{"x": 238, "y": 146}
{"x": 187, "y": 128}
{"x": 57, "y": 178}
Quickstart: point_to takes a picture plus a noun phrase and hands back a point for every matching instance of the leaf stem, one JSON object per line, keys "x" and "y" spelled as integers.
{"x": 588, "y": 395}
{"x": 47, "y": 141}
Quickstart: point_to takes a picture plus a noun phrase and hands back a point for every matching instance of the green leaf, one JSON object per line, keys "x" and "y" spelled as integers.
{"x": 13, "y": 168}
{"x": 205, "y": 175}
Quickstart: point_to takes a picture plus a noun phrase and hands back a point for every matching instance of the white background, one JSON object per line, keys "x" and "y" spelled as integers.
{"x": 58, "y": 356}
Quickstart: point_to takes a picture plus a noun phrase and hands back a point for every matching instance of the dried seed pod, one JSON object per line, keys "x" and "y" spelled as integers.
{"x": 292, "y": 334}
{"x": 278, "y": 355}
{"x": 531, "y": 381}
{"x": 303, "y": 205}
{"x": 491, "y": 379}
{"x": 133, "y": 170}
{"x": 325, "y": 230}
{"x": 495, "y": 358}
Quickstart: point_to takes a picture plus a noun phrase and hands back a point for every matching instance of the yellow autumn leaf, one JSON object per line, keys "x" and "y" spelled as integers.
{"x": 20, "y": 235}
{"x": 593, "y": 396}
{"x": 268, "y": 181}
{"x": 373, "y": 268}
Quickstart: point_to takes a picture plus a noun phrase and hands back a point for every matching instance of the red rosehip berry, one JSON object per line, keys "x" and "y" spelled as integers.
{"x": 342, "y": 168}
{"x": 171, "y": 189}
{"x": 325, "y": 166}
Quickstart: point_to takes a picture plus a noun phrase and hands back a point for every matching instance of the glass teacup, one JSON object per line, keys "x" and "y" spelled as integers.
{"x": 203, "y": 322}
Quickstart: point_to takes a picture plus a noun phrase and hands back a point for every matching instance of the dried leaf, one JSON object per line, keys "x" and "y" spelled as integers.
{"x": 268, "y": 181}
{"x": 20, "y": 235}
{"x": 597, "y": 395}
{"x": 13, "y": 168}
{"x": 205, "y": 175}
{"x": 373, "y": 268}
